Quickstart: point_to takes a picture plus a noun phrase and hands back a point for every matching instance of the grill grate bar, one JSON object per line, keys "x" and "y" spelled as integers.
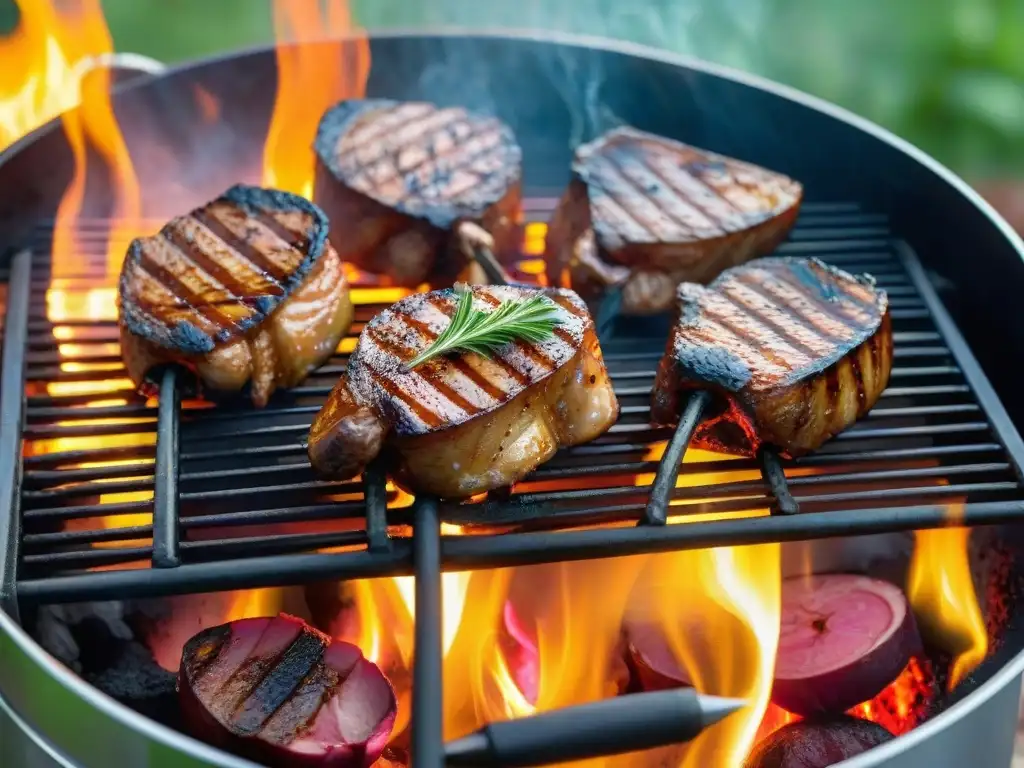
{"x": 505, "y": 550}
{"x": 930, "y": 444}
{"x": 165, "y": 475}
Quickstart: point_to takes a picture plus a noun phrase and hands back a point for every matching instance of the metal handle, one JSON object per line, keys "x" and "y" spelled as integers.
{"x": 129, "y": 62}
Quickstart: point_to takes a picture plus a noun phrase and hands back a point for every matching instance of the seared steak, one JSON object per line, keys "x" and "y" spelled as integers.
{"x": 797, "y": 351}
{"x": 244, "y": 288}
{"x": 461, "y": 424}
{"x": 397, "y": 178}
{"x": 644, "y": 213}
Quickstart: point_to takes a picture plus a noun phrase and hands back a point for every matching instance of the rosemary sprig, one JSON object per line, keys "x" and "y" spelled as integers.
{"x": 471, "y": 330}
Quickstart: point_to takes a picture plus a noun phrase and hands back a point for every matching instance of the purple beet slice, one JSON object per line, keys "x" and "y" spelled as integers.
{"x": 279, "y": 691}
{"x": 843, "y": 639}
{"x": 817, "y": 743}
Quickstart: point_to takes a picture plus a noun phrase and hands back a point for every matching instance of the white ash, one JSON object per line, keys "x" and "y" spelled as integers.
{"x": 55, "y": 623}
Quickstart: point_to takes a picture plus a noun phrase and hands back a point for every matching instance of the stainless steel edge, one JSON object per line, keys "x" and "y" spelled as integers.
{"x": 96, "y": 731}
{"x": 83, "y": 725}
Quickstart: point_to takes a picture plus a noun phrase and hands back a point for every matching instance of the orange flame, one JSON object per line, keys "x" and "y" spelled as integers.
{"x": 43, "y": 60}
{"x": 942, "y": 592}
{"x": 315, "y": 69}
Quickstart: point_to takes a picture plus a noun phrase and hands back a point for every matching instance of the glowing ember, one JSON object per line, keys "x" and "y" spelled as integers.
{"x": 899, "y": 708}
{"x": 315, "y": 70}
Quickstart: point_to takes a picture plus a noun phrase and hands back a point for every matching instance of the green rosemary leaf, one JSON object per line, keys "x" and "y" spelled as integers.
{"x": 470, "y": 330}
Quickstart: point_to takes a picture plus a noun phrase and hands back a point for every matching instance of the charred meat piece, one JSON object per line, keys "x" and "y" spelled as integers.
{"x": 644, "y": 213}
{"x": 402, "y": 176}
{"x": 797, "y": 351}
{"x": 462, "y": 424}
{"x": 281, "y": 692}
{"x": 245, "y": 288}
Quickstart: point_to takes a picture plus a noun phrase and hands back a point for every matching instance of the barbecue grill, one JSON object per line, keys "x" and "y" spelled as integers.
{"x": 216, "y": 481}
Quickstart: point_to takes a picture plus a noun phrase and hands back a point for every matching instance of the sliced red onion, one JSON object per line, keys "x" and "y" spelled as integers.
{"x": 281, "y": 692}
{"x": 817, "y": 744}
{"x": 655, "y": 664}
{"x": 844, "y": 638}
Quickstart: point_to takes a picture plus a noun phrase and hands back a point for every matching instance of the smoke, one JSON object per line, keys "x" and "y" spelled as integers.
{"x": 725, "y": 31}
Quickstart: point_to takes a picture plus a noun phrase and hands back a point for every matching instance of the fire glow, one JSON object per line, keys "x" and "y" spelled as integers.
{"x": 572, "y": 611}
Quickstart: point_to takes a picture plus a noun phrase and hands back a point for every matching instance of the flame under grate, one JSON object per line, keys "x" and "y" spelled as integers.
{"x": 124, "y": 497}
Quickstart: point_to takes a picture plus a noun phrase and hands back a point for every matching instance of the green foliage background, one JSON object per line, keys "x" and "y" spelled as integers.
{"x": 946, "y": 74}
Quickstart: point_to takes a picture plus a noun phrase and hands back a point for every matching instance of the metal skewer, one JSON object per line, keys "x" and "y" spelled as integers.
{"x": 478, "y": 245}
{"x": 603, "y": 728}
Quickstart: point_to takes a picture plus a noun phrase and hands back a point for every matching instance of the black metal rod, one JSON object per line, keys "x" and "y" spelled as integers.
{"x": 505, "y": 550}
{"x": 12, "y": 415}
{"x": 664, "y": 483}
{"x": 775, "y": 476}
{"x": 376, "y": 497}
{"x": 427, "y": 692}
{"x": 475, "y": 241}
{"x": 165, "y": 473}
{"x": 602, "y": 728}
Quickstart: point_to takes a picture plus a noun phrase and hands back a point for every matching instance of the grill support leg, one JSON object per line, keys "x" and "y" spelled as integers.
{"x": 775, "y": 476}
{"x": 427, "y": 693}
{"x": 664, "y": 483}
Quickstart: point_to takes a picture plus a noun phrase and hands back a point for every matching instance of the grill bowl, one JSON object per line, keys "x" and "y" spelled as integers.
{"x": 538, "y": 85}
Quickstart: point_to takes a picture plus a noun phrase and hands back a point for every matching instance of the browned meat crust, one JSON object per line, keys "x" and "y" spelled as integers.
{"x": 644, "y": 213}
{"x": 462, "y": 424}
{"x": 403, "y": 175}
{"x": 795, "y": 351}
{"x": 245, "y": 288}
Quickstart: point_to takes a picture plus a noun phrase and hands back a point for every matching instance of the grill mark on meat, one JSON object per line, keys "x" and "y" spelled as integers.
{"x": 292, "y": 240}
{"x": 563, "y": 334}
{"x": 486, "y": 141}
{"x": 198, "y": 305}
{"x": 171, "y": 309}
{"x": 622, "y": 221}
{"x": 458, "y": 361}
{"x": 371, "y": 124}
{"x": 396, "y": 392}
{"x": 688, "y": 196}
{"x": 205, "y": 262}
{"x": 446, "y": 308}
{"x": 228, "y": 232}
{"x": 796, "y": 304}
{"x": 651, "y": 184}
{"x": 533, "y": 355}
{"x": 565, "y": 303}
{"x": 441, "y": 181}
{"x": 680, "y": 174}
{"x": 796, "y": 335}
{"x": 632, "y": 197}
{"x": 405, "y": 133}
{"x": 847, "y": 316}
{"x": 432, "y": 374}
{"x": 749, "y": 335}
{"x": 760, "y": 331}
{"x": 718, "y": 335}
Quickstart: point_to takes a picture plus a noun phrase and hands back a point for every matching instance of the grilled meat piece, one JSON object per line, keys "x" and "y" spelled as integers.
{"x": 244, "y": 288}
{"x": 403, "y": 175}
{"x": 644, "y": 213}
{"x": 461, "y": 424}
{"x": 795, "y": 350}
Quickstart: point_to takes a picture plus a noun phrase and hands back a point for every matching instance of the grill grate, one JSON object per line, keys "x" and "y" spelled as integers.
{"x": 181, "y": 497}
